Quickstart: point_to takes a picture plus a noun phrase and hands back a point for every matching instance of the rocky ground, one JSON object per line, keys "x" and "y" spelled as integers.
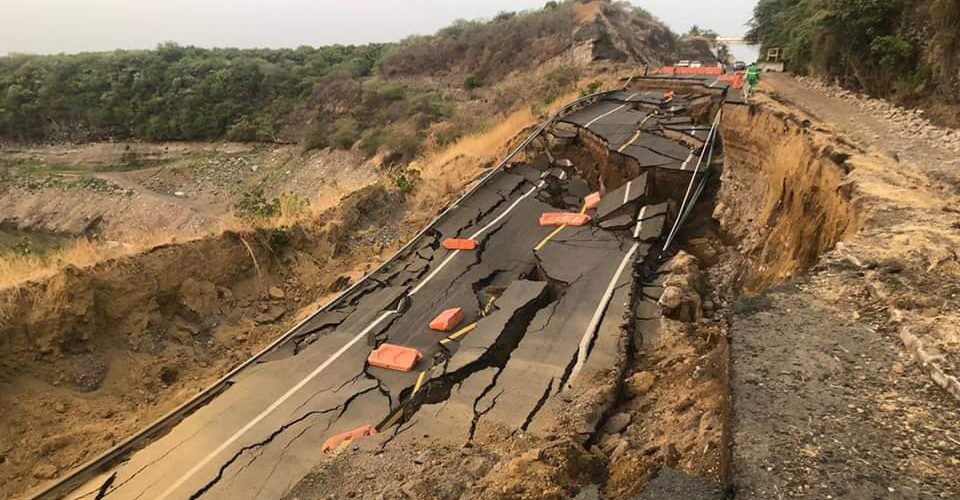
{"x": 906, "y": 134}
{"x": 844, "y": 382}
{"x": 122, "y": 191}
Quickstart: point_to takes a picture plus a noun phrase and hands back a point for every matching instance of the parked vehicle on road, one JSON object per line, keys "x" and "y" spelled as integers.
{"x": 683, "y": 64}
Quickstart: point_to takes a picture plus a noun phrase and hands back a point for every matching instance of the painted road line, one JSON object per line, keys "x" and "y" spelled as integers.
{"x": 486, "y": 308}
{"x": 631, "y": 141}
{"x": 598, "y": 315}
{"x": 276, "y": 404}
{"x": 463, "y": 331}
{"x": 419, "y": 384}
{"x": 547, "y": 239}
{"x": 687, "y": 162}
{"x": 474, "y": 236}
{"x": 626, "y": 192}
{"x": 638, "y": 134}
{"x": 612, "y": 111}
{"x": 643, "y": 212}
{"x": 555, "y": 232}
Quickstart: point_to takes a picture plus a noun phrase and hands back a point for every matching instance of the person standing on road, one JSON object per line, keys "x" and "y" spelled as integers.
{"x": 753, "y": 79}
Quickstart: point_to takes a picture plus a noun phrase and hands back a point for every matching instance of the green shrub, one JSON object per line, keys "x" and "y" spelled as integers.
{"x": 591, "y": 89}
{"x": 278, "y": 238}
{"x": 371, "y": 141}
{"x": 317, "y": 136}
{"x": 394, "y": 92}
{"x": 346, "y": 132}
{"x": 472, "y": 82}
{"x": 254, "y": 207}
{"x": 407, "y": 180}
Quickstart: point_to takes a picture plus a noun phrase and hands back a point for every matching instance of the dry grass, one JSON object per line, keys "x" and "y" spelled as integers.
{"x": 447, "y": 172}
{"x": 15, "y": 269}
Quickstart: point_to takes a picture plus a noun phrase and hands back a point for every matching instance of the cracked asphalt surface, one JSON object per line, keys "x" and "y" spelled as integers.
{"x": 541, "y": 317}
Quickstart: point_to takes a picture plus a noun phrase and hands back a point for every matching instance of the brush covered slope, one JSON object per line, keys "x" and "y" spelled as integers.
{"x": 905, "y": 50}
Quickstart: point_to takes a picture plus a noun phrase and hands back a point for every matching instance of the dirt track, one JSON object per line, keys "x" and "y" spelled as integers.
{"x": 828, "y": 399}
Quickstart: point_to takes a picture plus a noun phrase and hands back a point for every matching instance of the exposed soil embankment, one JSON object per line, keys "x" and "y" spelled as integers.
{"x": 91, "y": 355}
{"x": 784, "y": 197}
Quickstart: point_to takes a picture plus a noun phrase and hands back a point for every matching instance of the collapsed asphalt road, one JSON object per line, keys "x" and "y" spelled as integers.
{"x": 541, "y": 306}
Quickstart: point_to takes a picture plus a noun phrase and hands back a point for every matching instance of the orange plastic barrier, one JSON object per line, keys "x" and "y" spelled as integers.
{"x": 460, "y": 244}
{"x": 734, "y": 79}
{"x": 564, "y": 219}
{"x": 359, "y": 433}
{"x": 592, "y": 201}
{"x": 675, "y": 70}
{"x": 394, "y": 357}
{"x": 447, "y": 320}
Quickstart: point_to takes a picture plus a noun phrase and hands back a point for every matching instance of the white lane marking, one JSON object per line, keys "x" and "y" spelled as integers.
{"x": 643, "y": 213}
{"x": 509, "y": 209}
{"x": 612, "y": 111}
{"x": 626, "y": 192}
{"x": 598, "y": 315}
{"x": 474, "y": 236}
{"x": 687, "y": 162}
{"x": 608, "y": 113}
{"x": 563, "y": 174}
{"x": 276, "y": 404}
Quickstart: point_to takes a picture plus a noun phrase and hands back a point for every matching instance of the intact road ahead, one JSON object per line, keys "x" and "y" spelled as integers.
{"x": 542, "y": 305}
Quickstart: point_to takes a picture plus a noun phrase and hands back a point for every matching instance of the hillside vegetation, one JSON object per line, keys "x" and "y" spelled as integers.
{"x": 171, "y": 93}
{"x": 907, "y": 50}
{"x": 374, "y": 97}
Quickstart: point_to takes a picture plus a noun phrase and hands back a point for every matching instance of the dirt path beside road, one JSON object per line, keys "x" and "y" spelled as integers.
{"x": 839, "y": 378}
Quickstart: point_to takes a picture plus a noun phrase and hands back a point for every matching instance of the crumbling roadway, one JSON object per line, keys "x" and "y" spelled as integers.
{"x": 542, "y": 306}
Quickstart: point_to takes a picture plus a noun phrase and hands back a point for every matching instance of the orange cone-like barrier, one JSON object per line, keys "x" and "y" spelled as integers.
{"x": 447, "y": 320}
{"x": 592, "y": 201}
{"x": 359, "y": 433}
{"x": 460, "y": 244}
{"x": 394, "y": 357}
{"x": 678, "y": 70}
{"x": 564, "y": 219}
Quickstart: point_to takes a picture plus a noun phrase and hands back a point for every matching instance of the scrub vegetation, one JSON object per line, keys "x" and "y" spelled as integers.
{"x": 376, "y": 97}
{"x": 908, "y": 50}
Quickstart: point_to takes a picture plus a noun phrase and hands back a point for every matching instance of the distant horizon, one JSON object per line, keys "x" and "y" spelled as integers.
{"x": 50, "y": 27}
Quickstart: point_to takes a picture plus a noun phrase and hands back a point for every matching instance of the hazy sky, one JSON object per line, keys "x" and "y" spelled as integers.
{"x": 50, "y": 26}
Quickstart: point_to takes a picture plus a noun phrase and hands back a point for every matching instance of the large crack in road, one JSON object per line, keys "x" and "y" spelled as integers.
{"x": 537, "y": 300}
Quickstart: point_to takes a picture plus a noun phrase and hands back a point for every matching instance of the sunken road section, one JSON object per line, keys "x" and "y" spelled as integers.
{"x": 540, "y": 305}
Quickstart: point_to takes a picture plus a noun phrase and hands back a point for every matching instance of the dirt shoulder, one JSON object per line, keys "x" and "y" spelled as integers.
{"x": 842, "y": 382}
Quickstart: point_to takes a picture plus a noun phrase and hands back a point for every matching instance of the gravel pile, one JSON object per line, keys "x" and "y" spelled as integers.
{"x": 912, "y": 122}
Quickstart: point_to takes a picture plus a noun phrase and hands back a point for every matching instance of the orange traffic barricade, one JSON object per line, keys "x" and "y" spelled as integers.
{"x": 447, "y": 320}
{"x": 592, "y": 201}
{"x": 460, "y": 244}
{"x": 394, "y": 357}
{"x": 359, "y": 433}
{"x": 564, "y": 219}
{"x": 687, "y": 71}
